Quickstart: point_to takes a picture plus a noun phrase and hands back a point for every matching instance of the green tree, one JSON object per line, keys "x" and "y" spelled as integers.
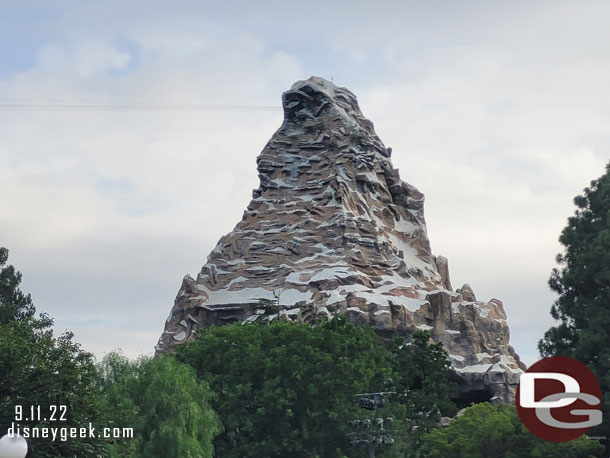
{"x": 287, "y": 389}
{"x": 14, "y": 304}
{"x": 165, "y": 404}
{"x": 39, "y": 369}
{"x": 583, "y": 285}
{"x": 421, "y": 373}
{"x": 486, "y": 431}
{"x": 284, "y": 389}
{"x": 118, "y": 378}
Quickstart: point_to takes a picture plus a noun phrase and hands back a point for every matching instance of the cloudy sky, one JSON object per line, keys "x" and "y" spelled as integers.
{"x": 498, "y": 111}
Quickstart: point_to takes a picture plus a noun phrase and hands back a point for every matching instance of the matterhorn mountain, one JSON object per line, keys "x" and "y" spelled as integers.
{"x": 333, "y": 229}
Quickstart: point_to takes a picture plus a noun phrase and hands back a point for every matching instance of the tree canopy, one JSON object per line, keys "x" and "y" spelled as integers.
{"x": 583, "y": 285}
{"x": 39, "y": 369}
{"x": 287, "y": 389}
{"x": 165, "y": 404}
{"x": 15, "y": 305}
{"x": 485, "y": 431}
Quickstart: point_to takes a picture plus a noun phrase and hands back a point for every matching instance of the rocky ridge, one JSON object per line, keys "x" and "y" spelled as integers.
{"x": 333, "y": 229}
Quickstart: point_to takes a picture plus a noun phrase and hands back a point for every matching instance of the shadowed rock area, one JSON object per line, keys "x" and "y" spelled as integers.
{"x": 333, "y": 229}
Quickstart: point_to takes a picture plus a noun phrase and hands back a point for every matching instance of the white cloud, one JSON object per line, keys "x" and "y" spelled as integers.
{"x": 498, "y": 116}
{"x": 83, "y": 59}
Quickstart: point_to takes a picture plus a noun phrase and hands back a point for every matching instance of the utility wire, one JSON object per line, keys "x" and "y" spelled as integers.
{"x": 31, "y": 106}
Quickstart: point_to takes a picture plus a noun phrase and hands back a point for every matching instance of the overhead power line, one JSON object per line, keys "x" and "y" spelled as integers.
{"x": 31, "y": 106}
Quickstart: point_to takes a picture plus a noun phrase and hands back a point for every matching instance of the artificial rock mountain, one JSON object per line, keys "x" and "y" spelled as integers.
{"x": 332, "y": 228}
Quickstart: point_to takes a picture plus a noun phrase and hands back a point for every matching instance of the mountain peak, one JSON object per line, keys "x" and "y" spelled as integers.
{"x": 316, "y": 100}
{"x": 312, "y": 96}
{"x": 333, "y": 229}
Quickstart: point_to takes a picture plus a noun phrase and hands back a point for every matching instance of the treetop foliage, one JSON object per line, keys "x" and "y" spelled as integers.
{"x": 14, "y": 304}
{"x": 39, "y": 369}
{"x": 583, "y": 284}
{"x": 165, "y": 404}
{"x": 485, "y": 431}
{"x": 288, "y": 389}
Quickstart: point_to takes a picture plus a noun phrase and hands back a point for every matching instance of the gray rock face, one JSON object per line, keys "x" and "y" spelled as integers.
{"x": 333, "y": 229}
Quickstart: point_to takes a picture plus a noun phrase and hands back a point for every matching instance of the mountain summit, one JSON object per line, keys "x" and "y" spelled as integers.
{"x": 333, "y": 229}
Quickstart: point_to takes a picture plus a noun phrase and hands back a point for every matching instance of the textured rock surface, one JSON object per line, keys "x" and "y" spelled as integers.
{"x": 332, "y": 228}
